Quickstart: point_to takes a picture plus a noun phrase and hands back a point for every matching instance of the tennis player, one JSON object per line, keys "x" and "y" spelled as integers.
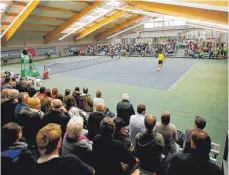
{"x": 160, "y": 61}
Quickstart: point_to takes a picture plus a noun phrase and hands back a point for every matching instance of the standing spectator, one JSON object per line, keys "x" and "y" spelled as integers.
{"x": 46, "y": 101}
{"x": 75, "y": 143}
{"x": 109, "y": 154}
{"x": 23, "y": 98}
{"x": 50, "y": 162}
{"x": 94, "y": 120}
{"x": 13, "y": 82}
{"x": 41, "y": 93}
{"x": 137, "y": 122}
{"x": 200, "y": 124}
{"x": 197, "y": 162}
{"x": 66, "y": 94}
{"x": 86, "y": 103}
{"x": 125, "y": 109}
{"x": 57, "y": 115}
{"x": 148, "y": 147}
{"x": 22, "y": 160}
{"x": 8, "y": 107}
{"x": 30, "y": 119}
{"x": 76, "y": 95}
{"x": 169, "y": 133}
{"x": 6, "y": 84}
{"x": 54, "y": 93}
{"x": 98, "y": 99}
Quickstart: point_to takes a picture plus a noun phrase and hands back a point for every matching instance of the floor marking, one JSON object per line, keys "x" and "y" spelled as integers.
{"x": 181, "y": 77}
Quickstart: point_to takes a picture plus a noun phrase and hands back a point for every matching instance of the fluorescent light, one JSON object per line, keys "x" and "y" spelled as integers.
{"x": 171, "y": 17}
{"x": 205, "y": 27}
{"x": 17, "y": 17}
{"x": 104, "y": 12}
{"x": 126, "y": 30}
{"x": 192, "y": 4}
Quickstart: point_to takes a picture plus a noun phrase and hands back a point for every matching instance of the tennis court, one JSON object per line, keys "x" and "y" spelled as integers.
{"x": 185, "y": 87}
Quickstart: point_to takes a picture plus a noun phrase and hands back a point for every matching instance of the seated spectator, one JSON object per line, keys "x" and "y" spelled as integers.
{"x": 46, "y": 101}
{"x": 197, "y": 162}
{"x": 125, "y": 109}
{"x": 76, "y": 95}
{"x": 57, "y": 114}
{"x": 15, "y": 156}
{"x": 148, "y": 147}
{"x": 75, "y": 143}
{"x": 4, "y": 95}
{"x": 121, "y": 133}
{"x": 66, "y": 94}
{"x": 94, "y": 120}
{"x": 169, "y": 132}
{"x": 98, "y": 99}
{"x": 54, "y": 93}
{"x": 8, "y": 107}
{"x": 13, "y": 82}
{"x": 50, "y": 162}
{"x": 110, "y": 154}
{"x": 6, "y": 84}
{"x": 200, "y": 124}
{"x": 85, "y": 101}
{"x": 23, "y": 98}
{"x": 137, "y": 122}
{"x": 60, "y": 97}
{"x": 41, "y": 93}
{"x": 30, "y": 119}
{"x": 70, "y": 106}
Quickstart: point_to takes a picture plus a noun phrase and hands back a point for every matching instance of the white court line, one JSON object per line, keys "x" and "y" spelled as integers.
{"x": 181, "y": 77}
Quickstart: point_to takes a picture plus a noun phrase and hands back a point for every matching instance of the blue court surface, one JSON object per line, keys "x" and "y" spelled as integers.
{"x": 141, "y": 72}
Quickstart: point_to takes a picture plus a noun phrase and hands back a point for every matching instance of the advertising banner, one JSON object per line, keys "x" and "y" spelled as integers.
{"x": 31, "y": 51}
{"x": 10, "y": 54}
{"x": 44, "y": 51}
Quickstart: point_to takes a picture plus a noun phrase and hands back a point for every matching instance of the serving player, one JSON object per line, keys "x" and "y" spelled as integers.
{"x": 160, "y": 60}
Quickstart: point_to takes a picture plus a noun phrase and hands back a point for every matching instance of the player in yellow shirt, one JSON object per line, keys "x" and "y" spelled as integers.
{"x": 160, "y": 61}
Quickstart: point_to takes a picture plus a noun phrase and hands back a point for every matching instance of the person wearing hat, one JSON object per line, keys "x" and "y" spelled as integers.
{"x": 199, "y": 124}
{"x": 125, "y": 109}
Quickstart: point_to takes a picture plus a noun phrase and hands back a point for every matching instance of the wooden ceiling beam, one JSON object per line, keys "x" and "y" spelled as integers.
{"x": 10, "y": 31}
{"x": 70, "y": 21}
{"x": 31, "y": 25}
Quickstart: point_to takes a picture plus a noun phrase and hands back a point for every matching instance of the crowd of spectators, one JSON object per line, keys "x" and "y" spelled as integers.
{"x": 72, "y": 133}
{"x": 141, "y": 49}
{"x": 211, "y": 50}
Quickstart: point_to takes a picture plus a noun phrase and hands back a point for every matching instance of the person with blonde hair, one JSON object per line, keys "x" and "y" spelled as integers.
{"x": 98, "y": 99}
{"x": 4, "y": 95}
{"x": 49, "y": 140}
{"x": 75, "y": 142}
{"x": 8, "y": 107}
{"x": 30, "y": 119}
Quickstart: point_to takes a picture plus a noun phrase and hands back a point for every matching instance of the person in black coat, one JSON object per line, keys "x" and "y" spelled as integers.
{"x": 58, "y": 115}
{"x": 94, "y": 120}
{"x": 110, "y": 154}
{"x": 125, "y": 109}
{"x": 197, "y": 162}
{"x": 30, "y": 119}
{"x": 8, "y": 107}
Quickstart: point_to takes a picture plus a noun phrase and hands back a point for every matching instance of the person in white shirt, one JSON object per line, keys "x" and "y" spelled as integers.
{"x": 137, "y": 124}
{"x": 98, "y": 99}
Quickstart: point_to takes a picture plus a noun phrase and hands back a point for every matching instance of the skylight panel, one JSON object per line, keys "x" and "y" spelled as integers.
{"x": 3, "y": 7}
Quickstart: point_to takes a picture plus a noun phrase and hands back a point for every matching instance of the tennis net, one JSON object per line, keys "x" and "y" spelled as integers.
{"x": 60, "y": 67}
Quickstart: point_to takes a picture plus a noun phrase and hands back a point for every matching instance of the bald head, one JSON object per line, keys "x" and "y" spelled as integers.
{"x": 165, "y": 118}
{"x": 100, "y": 107}
{"x": 56, "y": 104}
{"x": 150, "y": 122}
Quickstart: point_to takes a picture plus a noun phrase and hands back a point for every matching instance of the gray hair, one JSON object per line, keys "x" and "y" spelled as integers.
{"x": 125, "y": 96}
{"x": 13, "y": 93}
{"x": 75, "y": 127}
